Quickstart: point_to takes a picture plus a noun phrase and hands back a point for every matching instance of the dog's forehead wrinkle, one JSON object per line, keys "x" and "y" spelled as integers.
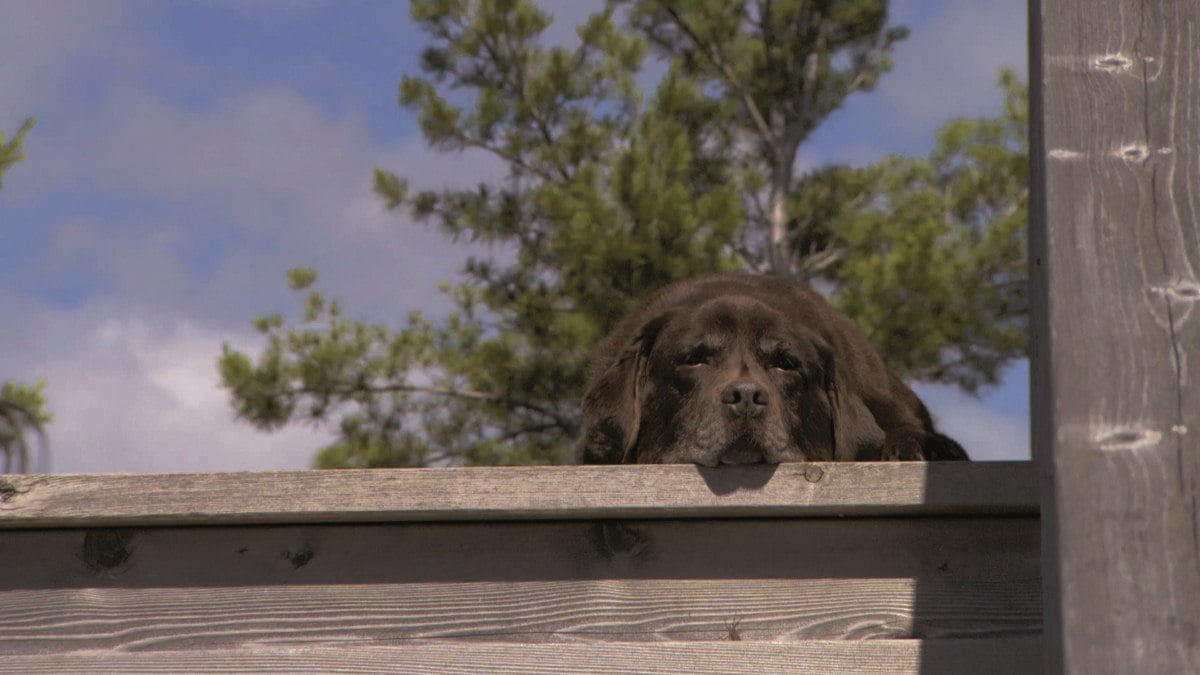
{"x": 742, "y": 332}
{"x": 727, "y": 318}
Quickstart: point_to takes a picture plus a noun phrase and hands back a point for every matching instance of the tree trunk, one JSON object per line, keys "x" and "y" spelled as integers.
{"x": 786, "y": 144}
{"x": 777, "y": 242}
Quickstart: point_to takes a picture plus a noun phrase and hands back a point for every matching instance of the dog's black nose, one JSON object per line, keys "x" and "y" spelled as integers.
{"x": 745, "y": 397}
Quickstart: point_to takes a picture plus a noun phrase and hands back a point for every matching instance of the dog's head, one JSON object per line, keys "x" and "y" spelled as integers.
{"x": 738, "y": 369}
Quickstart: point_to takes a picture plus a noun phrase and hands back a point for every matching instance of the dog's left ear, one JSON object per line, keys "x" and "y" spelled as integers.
{"x": 856, "y": 434}
{"x": 612, "y": 404}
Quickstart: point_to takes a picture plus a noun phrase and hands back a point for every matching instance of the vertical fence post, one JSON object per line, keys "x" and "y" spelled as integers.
{"x": 1115, "y": 268}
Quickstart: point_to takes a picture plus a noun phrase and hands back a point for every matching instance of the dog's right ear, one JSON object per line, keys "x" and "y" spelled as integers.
{"x": 612, "y": 403}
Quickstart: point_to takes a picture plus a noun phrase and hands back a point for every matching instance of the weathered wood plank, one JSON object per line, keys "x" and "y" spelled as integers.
{"x": 873, "y": 657}
{"x": 587, "y": 611}
{"x": 1114, "y": 254}
{"x": 505, "y": 493}
{"x": 781, "y": 579}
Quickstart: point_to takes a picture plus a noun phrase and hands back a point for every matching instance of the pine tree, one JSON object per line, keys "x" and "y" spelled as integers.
{"x": 11, "y": 151}
{"x": 23, "y": 410}
{"x": 928, "y": 253}
{"x": 611, "y": 192}
{"x": 22, "y": 406}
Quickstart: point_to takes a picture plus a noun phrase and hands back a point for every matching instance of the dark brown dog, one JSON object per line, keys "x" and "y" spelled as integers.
{"x": 737, "y": 369}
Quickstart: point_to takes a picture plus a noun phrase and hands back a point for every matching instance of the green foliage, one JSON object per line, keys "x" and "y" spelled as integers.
{"x": 22, "y": 410}
{"x": 11, "y": 151}
{"x": 611, "y": 192}
{"x": 929, "y": 252}
{"x": 22, "y": 407}
{"x": 775, "y": 70}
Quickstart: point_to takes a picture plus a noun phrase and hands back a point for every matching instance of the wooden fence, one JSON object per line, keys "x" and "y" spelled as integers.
{"x": 872, "y": 568}
{"x": 1114, "y": 260}
{"x": 746, "y": 569}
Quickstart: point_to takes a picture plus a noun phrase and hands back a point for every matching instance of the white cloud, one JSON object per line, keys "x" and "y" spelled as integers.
{"x": 132, "y": 391}
{"x": 264, "y": 146}
{"x": 131, "y": 374}
{"x": 141, "y": 261}
{"x": 37, "y": 40}
{"x": 948, "y": 65}
{"x": 280, "y": 181}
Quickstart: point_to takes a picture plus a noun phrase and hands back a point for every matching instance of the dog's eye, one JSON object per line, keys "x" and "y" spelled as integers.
{"x": 782, "y": 361}
{"x": 701, "y": 356}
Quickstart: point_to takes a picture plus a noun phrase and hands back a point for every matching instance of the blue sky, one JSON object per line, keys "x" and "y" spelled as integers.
{"x": 187, "y": 153}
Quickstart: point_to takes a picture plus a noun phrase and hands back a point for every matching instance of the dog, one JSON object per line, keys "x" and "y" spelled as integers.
{"x": 742, "y": 369}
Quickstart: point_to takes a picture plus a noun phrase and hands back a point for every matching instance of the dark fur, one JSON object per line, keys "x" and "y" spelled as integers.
{"x": 737, "y": 369}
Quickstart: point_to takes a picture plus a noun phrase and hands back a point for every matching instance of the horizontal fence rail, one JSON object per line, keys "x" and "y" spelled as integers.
{"x": 533, "y": 493}
{"x": 878, "y": 657}
{"x": 809, "y": 568}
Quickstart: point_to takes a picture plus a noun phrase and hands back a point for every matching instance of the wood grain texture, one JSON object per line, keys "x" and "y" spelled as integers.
{"x": 506, "y": 493}
{"x": 1114, "y": 253}
{"x": 874, "y": 657}
{"x": 382, "y": 585}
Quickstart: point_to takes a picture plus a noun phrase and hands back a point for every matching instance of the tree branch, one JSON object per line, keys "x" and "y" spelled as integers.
{"x": 504, "y": 155}
{"x": 713, "y": 54}
{"x": 516, "y": 83}
{"x": 817, "y": 262}
{"x": 524, "y": 430}
{"x": 449, "y": 392}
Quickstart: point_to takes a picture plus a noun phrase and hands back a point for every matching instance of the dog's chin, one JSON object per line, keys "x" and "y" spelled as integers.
{"x": 745, "y": 450}
{"x": 741, "y": 450}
